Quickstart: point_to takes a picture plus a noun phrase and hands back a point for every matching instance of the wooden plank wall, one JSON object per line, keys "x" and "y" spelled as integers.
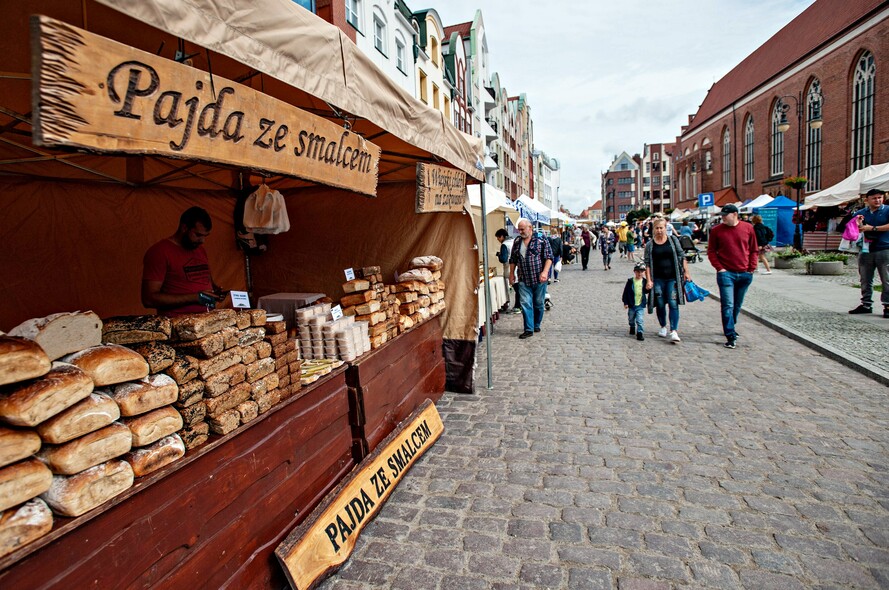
{"x": 214, "y": 522}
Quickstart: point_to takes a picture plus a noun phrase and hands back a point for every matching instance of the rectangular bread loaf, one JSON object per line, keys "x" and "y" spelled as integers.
{"x": 231, "y": 336}
{"x": 225, "y": 422}
{"x": 202, "y": 348}
{"x": 251, "y": 336}
{"x": 148, "y": 459}
{"x": 357, "y": 298}
{"x": 193, "y": 415}
{"x": 88, "y": 450}
{"x": 265, "y": 384}
{"x": 62, "y": 333}
{"x": 158, "y": 355}
{"x": 73, "y": 495}
{"x": 228, "y": 400}
{"x": 88, "y": 415}
{"x": 259, "y": 369}
{"x": 22, "y": 481}
{"x": 195, "y": 435}
{"x": 17, "y": 444}
{"x": 152, "y": 426}
{"x": 24, "y": 524}
{"x": 243, "y": 319}
{"x": 257, "y": 317}
{"x": 220, "y": 362}
{"x": 31, "y": 402}
{"x": 276, "y": 339}
{"x": 248, "y": 411}
{"x": 248, "y": 355}
{"x": 198, "y": 325}
{"x": 147, "y": 394}
{"x": 263, "y": 349}
{"x": 183, "y": 369}
{"x": 267, "y": 400}
{"x": 190, "y": 393}
{"x": 275, "y": 327}
{"x": 133, "y": 329}
{"x": 356, "y": 285}
{"x": 223, "y": 380}
{"x": 108, "y": 364}
{"x": 21, "y": 359}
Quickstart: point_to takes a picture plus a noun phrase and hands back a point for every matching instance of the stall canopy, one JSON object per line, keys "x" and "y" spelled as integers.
{"x": 880, "y": 182}
{"x": 495, "y": 200}
{"x": 533, "y": 210}
{"x": 760, "y": 201}
{"x": 847, "y": 189}
{"x": 785, "y": 225}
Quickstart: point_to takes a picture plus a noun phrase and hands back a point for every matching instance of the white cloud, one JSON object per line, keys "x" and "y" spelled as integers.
{"x": 604, "y": 77}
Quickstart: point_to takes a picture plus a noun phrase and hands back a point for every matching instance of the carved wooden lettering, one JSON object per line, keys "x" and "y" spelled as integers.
{"x": 440, "y": 189}
{"x": 94, "y": 93}
{"x": 327, "y": 537}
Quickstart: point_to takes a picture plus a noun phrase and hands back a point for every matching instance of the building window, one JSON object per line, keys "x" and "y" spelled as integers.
{"x": 307, "y": 4}
{"x": 446, "y": 107}
{"x": 776, "y": 166}
{"x": 353, "y": 12}
{"x": 434, "y": 96}
{"x": 655, "y": 156}
{"x": 379, "y": 35}
{"x": 424, "y": 94}
{"x": 647, "y": 167}
{"x": 726, "y": 158}
{"x": 813, "y": 138}
{"x": 433, "y": 50}
{"x": 863, "y": 111}
{"x": 399, "y": 55}
{"x": 748, "y": 150}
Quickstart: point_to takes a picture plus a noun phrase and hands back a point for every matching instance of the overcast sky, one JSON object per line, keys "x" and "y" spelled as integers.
{"x": 604, "y": 77}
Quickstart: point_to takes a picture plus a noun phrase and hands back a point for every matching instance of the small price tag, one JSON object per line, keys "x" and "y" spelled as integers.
{"x": 336, "y": 312}
{"x": 350, "y": 274}
{"x": 240, "y": 299}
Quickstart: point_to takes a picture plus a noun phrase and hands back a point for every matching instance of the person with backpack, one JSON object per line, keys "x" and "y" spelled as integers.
{"x": 764, "y": 235}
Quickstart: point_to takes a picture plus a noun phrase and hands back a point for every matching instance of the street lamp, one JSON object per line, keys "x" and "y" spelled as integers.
{"x": 783, "y": 126}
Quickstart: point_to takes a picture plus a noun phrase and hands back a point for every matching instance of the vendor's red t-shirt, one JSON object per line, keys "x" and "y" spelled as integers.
{"x": 181, "y": 271}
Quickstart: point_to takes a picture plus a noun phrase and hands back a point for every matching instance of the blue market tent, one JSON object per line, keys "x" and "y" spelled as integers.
{"x": 785, "y": 227}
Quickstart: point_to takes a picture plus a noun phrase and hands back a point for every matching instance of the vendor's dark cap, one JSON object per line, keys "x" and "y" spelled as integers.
{"x": 875, "y": 191}
{"x": 726, "y": 209}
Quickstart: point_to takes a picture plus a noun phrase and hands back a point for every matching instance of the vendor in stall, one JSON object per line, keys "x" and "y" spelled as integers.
{"x": 176, "y": 277}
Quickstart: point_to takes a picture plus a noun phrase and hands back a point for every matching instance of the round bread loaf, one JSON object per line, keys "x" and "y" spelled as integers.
{"x": 24, "y": 524}
{"x": 73, "y": 495}
{"x": 22, "y": 481}
{"x": 21, "y": 359}
{"x": 88, "y": 415}
{"x": 154, "y": 425}
{"x": 151, "y": 458}
{"x": 109, "y": 364}
{"x": 16, "y": 444}
{"x": 32, "y": 402}
{"x": 90, "y": 449}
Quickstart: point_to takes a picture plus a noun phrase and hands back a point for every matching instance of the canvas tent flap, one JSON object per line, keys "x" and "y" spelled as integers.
{"x": 880, "y": 182}
{"x": 760, "y": 201}
{"x": 495, "y": 200}
{"x": 291, "y": 44}
{"x": 533, "y": 209}
{"x": 847, "y": 189}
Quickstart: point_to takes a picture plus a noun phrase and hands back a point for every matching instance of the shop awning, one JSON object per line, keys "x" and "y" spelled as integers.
{"x": 847, "y": 189}
{"x": 495, "y": 200}
{"x": 533, "y": 210}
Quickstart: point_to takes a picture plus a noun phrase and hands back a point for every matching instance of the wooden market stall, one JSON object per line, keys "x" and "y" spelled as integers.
{"x": 77, "y": 222}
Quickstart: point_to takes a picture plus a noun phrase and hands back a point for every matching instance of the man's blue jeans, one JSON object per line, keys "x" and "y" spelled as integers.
{"x": 664, "y": 293}
{"x": 531, "y": 301}
{"x": 732, "y": 288}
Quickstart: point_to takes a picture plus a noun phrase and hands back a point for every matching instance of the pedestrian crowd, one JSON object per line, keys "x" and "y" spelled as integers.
{"x": 660, "y": 253}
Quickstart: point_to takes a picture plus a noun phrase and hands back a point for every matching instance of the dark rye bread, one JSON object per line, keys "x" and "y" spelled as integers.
{"x": 197, "y": 325}
{"x": 21, "y": 359}
{"x": 135, "y": 329}
{"x": 158, "y": 355}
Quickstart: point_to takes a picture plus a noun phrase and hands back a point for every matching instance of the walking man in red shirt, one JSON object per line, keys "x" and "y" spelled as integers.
{"x": 733, "y": 252}
{"x": 176, "y": 276}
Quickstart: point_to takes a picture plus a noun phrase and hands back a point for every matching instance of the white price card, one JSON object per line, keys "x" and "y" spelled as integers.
{"x": 240, "y": 299}
{"x": 350, "y": 274}
{"x": 336, "y": 312}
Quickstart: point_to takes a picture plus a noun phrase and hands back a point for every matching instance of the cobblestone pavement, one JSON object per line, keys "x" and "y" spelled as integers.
{"x": 822, "y": 320}
{"x": 597, "y": 461}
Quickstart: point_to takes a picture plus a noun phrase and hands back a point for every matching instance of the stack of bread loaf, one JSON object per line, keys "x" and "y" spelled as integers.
{"x": 420, "y": 291}
{"x": 371, "y": 301}
{"x": 321, "y": 337}
{"x": 64, "y": 441}
{"x": 286, "y": 370}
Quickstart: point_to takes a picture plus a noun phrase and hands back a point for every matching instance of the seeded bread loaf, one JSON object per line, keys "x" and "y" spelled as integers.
{"x": 134, "y": 329}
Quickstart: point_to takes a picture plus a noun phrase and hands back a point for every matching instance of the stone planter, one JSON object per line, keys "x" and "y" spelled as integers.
{"x": 833, "y": 267}
{"x": 786, "y": 263}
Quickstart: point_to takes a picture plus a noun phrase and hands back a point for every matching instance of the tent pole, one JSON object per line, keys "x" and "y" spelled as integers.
{"x": 487, "y": 283}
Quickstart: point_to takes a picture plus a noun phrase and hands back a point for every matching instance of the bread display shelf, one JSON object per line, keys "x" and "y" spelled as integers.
{"x": 17, "y": 565}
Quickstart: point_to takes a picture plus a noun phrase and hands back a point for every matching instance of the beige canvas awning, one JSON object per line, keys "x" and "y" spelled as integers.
{"x": 285, "y": 41}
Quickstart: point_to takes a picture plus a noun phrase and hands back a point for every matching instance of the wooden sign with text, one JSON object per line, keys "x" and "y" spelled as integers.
{"x": 94, "y": 93}
{"x": 440, "y": 189}
{"x": 327, "y": 537}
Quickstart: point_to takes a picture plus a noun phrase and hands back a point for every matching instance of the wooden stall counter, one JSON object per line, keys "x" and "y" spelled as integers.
{"x": 387, "y": 384}
{"x": 211, "y": 519}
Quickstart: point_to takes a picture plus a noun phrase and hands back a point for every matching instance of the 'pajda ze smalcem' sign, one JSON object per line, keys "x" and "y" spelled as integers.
{"x": 94, "y": 93}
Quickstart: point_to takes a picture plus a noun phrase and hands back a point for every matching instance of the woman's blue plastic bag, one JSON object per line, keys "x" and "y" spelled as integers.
{"x": 694, "y": 292}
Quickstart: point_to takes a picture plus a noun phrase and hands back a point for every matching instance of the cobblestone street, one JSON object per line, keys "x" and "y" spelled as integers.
{"x": 598, "y": 461}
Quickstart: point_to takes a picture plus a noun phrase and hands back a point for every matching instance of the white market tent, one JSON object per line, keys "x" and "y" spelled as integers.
{"x": 495, "y": 200}
{"x": 880, "y": 182}
{"x": 847, "y": 189}
{"x": 533, "y": 210}
{"x": 760, "y": 201}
